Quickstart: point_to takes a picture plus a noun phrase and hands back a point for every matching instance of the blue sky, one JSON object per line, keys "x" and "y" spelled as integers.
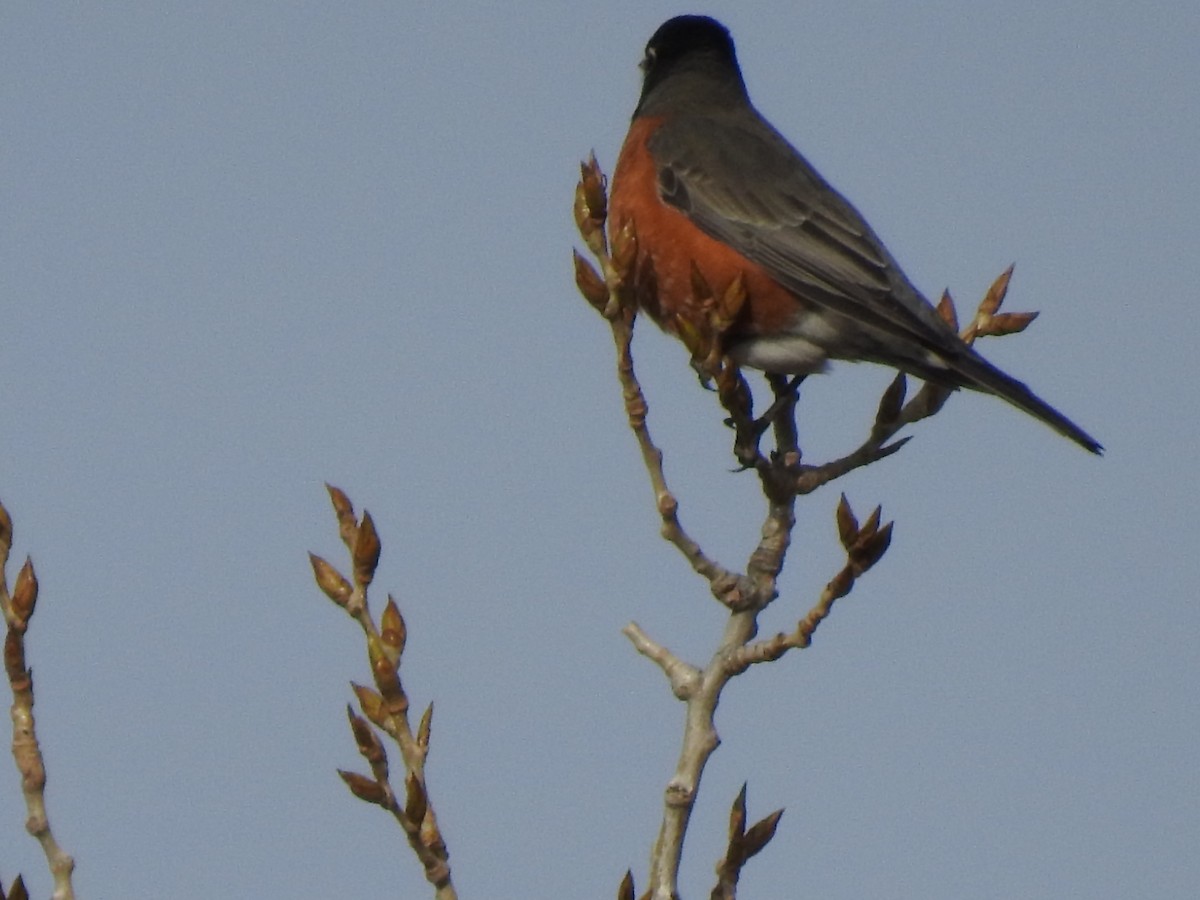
{"x": 246, "y": 248}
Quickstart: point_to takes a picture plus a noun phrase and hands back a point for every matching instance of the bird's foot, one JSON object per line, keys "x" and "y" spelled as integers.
{"x": 748, "y": 431}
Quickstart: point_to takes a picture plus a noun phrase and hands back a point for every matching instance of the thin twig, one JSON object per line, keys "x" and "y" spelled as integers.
{"x": 726, "y": 586}
{"x": 387, "y": 706}
{"x": 18, "y": 608}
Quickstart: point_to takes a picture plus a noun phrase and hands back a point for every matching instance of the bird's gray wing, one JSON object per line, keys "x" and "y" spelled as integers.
{"x": 742, "y": 183}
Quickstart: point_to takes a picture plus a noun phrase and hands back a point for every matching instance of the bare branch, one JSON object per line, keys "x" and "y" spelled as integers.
{"x": 684, "y": 678}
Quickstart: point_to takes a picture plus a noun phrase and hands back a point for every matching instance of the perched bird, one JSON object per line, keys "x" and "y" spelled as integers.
{"x": 710, "y": 185}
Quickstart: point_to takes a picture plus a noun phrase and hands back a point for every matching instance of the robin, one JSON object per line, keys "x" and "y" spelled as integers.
{"x": 711, "y": 187}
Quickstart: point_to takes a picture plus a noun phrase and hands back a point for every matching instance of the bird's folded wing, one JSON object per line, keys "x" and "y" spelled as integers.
{"x": 744, "y": 185}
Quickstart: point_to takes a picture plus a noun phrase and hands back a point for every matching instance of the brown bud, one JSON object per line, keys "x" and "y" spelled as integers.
{"x": 892, "y": 401}
{"x": 6, "y": 530}
{"x": 392, "y": 630}
{"x": 872, "y": 550}
{"x": 588, "y": 227}
{"x": 368, "y": 742}
{"x": 366, "y": 551}
{"x": 589, "y": 282}
{"x": 591, "y": 205}
{"x": 947, "y": 311}
{"x": 25, "y": 592}
{"x": 1008, "y": 323}
{"x": 415, "y": 800}
{"x": 16, "y": 890}
{"x": 344, "y": 510}
{"x": 847, "y": 524}
{"x": 626, "y": 889}
{"x": 330, "y": 580}
{"x": 371, "y": 704}
{"x": 579, "y": 205}
{"x": 387, "y": 679}
{"x": 424, "y": 727}
{"x": 995, "y": 294}
{"x": 737, "y": 814}
{"x": 341, "y": 503}
{"x": 732, "y": 300}
{"x": 364, "y": 788}
{"x": 869, "y": 527}
{"x": 595, "y": 187}
{"x": 625, "y": 250}
{"x": 760, "y": 834}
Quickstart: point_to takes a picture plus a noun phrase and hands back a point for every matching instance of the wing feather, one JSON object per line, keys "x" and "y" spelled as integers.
{"x": 746, "y": 186}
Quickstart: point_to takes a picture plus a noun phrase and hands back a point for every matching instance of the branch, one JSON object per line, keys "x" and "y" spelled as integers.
{"x": 864, "y": 547}
{"x": 684, "y": 678}
{"x": 18, "y": 608}
{"x": 386, "y": 706}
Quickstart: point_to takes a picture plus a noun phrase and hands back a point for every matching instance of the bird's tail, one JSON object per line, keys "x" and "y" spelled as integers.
{"x": 978, "y": 374}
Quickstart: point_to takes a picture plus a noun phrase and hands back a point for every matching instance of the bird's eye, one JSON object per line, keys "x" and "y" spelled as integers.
{"x": 648, "y": 59}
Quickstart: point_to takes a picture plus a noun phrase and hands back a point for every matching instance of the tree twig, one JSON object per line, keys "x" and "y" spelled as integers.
{"x": 387, "y": 705}
{"x": 18, "y": 608}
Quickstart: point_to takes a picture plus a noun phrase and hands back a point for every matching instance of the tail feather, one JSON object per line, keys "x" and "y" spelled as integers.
{"x": 978, "y": 374}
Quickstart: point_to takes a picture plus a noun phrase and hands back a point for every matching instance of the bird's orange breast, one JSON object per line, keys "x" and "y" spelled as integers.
{"x": 669, "y": 244}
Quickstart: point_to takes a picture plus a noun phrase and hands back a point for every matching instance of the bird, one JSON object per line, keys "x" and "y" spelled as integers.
{"x": 710, "y": 187}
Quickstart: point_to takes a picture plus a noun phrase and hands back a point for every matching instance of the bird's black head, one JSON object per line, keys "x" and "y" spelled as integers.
{"x": 683, "y": 36}
{"x": 689, "y": 44}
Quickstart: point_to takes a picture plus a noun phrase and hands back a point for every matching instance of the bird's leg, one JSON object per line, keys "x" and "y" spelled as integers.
{"x": 749, "y": 431}
{"x": 787, "y": 393}
{"x": 782, "y": 415}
